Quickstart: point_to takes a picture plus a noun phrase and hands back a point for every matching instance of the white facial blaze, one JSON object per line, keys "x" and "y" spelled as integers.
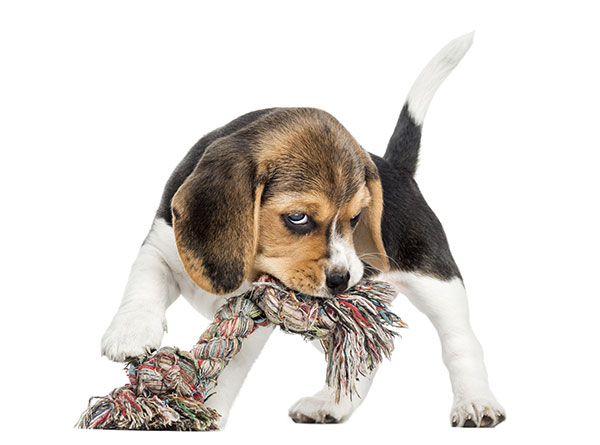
{"x": 342, "y": 256}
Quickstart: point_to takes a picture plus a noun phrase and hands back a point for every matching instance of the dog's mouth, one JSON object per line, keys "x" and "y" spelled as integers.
{"x": 320, "y": 292}
{"x": 298, "y": 284}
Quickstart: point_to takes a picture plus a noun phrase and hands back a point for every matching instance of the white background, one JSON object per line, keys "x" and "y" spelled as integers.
{"x": 100, "y": 100}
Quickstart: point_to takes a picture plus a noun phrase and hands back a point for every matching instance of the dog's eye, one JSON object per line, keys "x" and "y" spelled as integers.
{"x": 354, "y": 219}
{"x": 298, "y": 223}
{"x": 298, "y": 219}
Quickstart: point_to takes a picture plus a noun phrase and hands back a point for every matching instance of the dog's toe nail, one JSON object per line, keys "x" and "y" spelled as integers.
{"x": 330, "y": 419}
{"x": 469, "y": 424}
{"x": 487, "y": 422}
{"x": 301, "y": 418}
{"x": 501, "y": 418}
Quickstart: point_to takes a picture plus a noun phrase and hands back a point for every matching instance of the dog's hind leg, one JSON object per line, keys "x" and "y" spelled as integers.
{"x": 444, "y": 302}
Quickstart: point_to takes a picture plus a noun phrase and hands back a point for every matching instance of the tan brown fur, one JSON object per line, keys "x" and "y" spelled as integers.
{"x": 298, "y": 261}
{"x": 367, "y": 234}
{"x": 305, "y": 268}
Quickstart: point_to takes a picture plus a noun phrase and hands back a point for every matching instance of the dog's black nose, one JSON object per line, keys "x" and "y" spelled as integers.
{"x": 337, "y": 282}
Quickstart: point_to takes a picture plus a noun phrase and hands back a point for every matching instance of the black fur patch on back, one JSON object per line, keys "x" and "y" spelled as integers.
{"x": 412, "y": 235}
{"x": 403, "y": 149}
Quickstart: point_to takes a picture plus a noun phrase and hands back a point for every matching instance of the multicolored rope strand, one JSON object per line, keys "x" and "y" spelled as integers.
{"x": 168, "y": 388}
{"x": 354, "y": 328}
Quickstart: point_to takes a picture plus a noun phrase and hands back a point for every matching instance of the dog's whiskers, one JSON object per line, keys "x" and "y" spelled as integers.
{"x": 373, "y": 268}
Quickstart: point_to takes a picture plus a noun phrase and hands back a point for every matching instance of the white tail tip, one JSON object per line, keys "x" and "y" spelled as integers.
{"x": 434, "y": 73}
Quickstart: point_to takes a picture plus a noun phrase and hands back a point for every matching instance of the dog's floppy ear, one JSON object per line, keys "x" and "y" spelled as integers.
{"x": 367, "y": 235}
{"x": 215, "y": 216}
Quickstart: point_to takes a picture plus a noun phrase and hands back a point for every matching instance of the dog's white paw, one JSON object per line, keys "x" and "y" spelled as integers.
{"x": 132, "y": 334}
{"x": 322, "y": 408}
{"x": 484, "y": 412}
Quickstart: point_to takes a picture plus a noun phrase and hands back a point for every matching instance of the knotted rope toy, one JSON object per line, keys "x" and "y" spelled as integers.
{"x": 167, "y": 389}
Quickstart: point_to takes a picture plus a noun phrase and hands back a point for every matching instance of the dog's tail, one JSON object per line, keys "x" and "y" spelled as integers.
{"x": 403, "y": 148}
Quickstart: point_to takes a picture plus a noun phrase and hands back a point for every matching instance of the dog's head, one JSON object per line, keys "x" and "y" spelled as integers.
{"x": 294, "y": 195}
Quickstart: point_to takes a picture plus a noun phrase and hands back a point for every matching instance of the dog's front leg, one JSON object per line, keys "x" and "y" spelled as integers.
{"x": 139, "y": 324}
{"x": 231, "y": 378}
{"x": 444, "y": 302}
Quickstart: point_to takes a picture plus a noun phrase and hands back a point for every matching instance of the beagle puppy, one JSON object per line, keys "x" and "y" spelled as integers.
{"x": 290, "y": 192}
